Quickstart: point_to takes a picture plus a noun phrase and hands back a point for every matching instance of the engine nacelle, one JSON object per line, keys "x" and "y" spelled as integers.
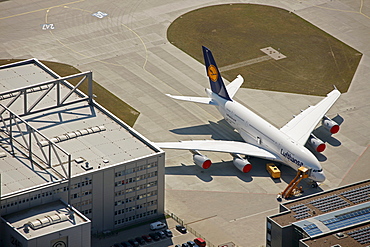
{"x": 316, "y": 143}
{"x": 202, "y": 161}
{"x": 242, "y": 164}
{"x": 330, "y": 125}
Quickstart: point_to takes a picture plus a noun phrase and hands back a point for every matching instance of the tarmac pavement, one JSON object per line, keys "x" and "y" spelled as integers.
{"x": 129, "y": 54}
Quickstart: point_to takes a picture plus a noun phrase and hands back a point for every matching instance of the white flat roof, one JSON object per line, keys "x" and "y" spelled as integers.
{"x": 105, "y": 143}
{"x": 52, "y": 210}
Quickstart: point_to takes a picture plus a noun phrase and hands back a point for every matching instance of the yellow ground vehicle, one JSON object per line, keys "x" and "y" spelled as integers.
{"x": 273, "y": 170}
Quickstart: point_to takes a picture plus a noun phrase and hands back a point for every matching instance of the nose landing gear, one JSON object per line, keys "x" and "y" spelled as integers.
{"x": 314, "y": 184}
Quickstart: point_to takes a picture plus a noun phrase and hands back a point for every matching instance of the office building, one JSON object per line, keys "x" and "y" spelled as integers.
{"x": 69, "y": 168}
{"x": 337, "y": 217}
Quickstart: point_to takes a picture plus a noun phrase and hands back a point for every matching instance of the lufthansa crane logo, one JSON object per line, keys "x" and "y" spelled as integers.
{"x": 212, "y": 73}
{"x": 59, "y": 244}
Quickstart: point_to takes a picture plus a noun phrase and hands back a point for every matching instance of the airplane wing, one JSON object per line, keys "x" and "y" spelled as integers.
{"x": 233, "y": 87}
{"x": 202, "y": 100}
{"x": 220, "y": 146}
{"x": 300, "y": 127}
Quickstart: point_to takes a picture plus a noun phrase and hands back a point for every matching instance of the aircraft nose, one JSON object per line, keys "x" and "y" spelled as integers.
{"x": 319, "y": 177}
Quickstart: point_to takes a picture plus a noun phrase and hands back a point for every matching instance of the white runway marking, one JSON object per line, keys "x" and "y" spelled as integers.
{"x": 244, "y": 63}
{"x": 248, "y": 216}
{"x": 270, "y": 52}
{"x": 273, "y": 53}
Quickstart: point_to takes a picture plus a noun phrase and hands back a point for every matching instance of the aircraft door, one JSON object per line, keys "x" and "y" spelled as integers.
{"x": 259, "y": 141}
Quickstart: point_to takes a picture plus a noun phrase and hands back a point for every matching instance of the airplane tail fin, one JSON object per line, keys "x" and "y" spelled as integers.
{"x": 215, "y": 79}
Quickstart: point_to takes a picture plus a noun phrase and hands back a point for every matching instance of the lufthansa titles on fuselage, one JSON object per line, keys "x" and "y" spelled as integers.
{"x": 290, "y": 157}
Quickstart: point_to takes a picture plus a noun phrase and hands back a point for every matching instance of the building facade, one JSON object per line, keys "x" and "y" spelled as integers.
{"x": 59, "y": 145}
{"x": 338, "y": 217}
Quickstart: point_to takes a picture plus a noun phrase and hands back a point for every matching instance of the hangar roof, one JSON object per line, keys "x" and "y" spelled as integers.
{"x": 90, "y": 134}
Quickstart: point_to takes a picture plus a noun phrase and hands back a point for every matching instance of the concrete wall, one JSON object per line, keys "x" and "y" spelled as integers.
{"x": 101, "y": 210}
{"x": 10, "y": 237}
{"x": 280, "y": 236}
{"x": 161, "y": 183}
{"x": 74, "y": 237}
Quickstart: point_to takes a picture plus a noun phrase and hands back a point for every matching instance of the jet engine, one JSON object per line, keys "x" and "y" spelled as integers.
{"x": 330, "y": 125}
{"x": 201, "y": 160}
{"x": 242, "y": 164}
{"x": 316, "y": 143}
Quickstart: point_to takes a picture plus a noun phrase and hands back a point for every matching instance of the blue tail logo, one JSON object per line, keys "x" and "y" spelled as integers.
{"x": 215, "y": 79}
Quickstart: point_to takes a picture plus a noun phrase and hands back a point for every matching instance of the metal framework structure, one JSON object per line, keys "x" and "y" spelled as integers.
{"x": 22, "y": 138}
{"x": 47, "y": 87}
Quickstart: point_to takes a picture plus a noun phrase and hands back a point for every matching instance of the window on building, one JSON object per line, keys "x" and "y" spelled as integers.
{"x": 269, "y": 225}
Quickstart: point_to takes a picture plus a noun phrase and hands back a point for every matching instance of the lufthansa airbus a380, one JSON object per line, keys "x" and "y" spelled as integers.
{"x": 285, "y": 145}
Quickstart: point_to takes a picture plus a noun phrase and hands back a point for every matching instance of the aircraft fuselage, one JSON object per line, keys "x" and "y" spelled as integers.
{"x": 257, "y": 131}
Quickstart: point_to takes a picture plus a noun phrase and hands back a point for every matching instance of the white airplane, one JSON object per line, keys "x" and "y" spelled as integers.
{"x": 263, "y": 140}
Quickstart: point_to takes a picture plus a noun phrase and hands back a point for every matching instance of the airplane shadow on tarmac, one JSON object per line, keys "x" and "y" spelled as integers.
{"x": 227, "y": 169}
{"x": 219, "y": 169}
{"x": 218, "y": 131}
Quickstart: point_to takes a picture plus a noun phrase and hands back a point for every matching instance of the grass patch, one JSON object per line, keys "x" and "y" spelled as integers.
{"x": 104, "y": 97}
{"x": 236, "y": 32}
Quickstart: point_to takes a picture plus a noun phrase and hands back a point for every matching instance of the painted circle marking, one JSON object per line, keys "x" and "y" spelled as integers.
{"x": 212, "y": 73}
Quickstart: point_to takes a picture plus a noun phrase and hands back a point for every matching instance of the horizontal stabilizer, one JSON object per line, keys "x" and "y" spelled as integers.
{"x": 202, "y": 100}
{"x": 233, "y": 87}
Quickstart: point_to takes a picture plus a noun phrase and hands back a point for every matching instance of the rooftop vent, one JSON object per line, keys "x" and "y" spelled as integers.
{"x": 46, "y": 221}
{"x": 73, "y": 134}
{"x": 340, "y": 235}
{"x": 87, "y": 166}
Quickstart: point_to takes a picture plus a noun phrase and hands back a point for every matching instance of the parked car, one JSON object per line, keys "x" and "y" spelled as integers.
{"x": 192, "y": 244}
{"x": 178, "y": 245}
{"x": 161, "y": 234}
{"x": 185, "y": 245}
{"x": 134, "y": 243}
{"x": 200, "y": 242}
{"x": 168, "y": 233}
{"x": 147, "y": 238}
{"x": 140, "y": 240}
{"x": 181, "y": 228}
{"x": 154, "y": 236}
{"x": 157, "y": 225}
{"x": 126, "y": 244}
